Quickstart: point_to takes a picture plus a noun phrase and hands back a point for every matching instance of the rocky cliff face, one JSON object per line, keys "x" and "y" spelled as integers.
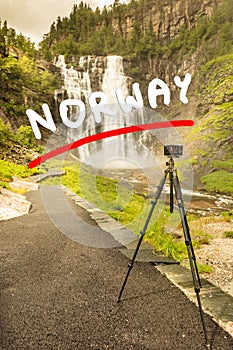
{"x": 167, "y": 16}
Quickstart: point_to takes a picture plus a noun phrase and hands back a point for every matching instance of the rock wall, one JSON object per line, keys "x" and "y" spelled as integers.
{"x": 167, "y": 16}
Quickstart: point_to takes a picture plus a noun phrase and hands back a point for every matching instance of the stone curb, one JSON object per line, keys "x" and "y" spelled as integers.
{"x": 215, "y": 302}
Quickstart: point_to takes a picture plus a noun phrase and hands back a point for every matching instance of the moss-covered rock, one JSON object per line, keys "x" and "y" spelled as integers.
{"x": 211, "y": 139}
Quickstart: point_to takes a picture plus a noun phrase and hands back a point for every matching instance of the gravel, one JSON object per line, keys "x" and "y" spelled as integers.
{"x": 219, "y": 254}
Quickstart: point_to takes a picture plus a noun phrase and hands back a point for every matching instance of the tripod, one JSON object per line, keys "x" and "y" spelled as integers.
{"x": 174, "y": 183}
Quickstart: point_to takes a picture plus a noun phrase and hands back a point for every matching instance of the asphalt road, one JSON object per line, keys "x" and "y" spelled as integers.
{"x": 59, "y": 294}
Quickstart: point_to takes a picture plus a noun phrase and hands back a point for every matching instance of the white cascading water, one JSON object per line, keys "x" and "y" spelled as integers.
{"x": 114, "y": 79}
{"x": 78, "y": 86}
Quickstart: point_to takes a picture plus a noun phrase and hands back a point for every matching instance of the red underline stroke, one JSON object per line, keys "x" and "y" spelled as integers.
{"x": 107, "y": 134}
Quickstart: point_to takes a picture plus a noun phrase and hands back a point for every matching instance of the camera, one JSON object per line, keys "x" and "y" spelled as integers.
{"x": 173, "y": 150}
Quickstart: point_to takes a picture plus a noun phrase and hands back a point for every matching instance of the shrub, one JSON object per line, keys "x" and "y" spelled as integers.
{"x": 25, "y": 136}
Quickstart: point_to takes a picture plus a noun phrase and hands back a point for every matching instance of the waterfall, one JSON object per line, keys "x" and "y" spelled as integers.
{"x": 77, "y": 85}
{"x": 114, "y": 78}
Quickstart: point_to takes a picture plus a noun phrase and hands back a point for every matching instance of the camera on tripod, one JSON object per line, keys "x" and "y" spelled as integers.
{"x": 173, "y": 150}
{"x": 171, "y": 173}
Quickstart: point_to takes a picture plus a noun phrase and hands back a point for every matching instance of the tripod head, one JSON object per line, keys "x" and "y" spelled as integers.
{"x": 170, "y": 164}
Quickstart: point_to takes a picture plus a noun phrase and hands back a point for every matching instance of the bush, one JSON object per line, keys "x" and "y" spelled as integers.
{"x": 5, "y": 133}
{"x": 25, "y": 136}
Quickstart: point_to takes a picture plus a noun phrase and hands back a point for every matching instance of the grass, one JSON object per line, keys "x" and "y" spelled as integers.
{"x": 117, "y": 201}
{"x": 219, "y": 181}
{"x": 197, "y": 229}
{"x": 226, "y": 216}
{"x": 131, "y": 210}
{"x": 125, "y": 206}
{"x": 228, "y": 234}
{"x": 200, "y": 237}
{"x": 8, "y": 170}
{"x": 204, "y": 268}
{"x": 163, "y": 241}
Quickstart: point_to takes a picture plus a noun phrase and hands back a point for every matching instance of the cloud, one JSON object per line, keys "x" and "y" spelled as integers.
{"x": 33, "y": 18}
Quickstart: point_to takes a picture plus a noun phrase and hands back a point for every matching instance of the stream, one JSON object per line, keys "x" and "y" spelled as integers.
{"x": 199, "y": 202}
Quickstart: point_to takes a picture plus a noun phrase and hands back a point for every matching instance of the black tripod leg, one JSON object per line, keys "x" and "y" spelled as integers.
{"x": 142, "y": 233}
{"x": 171, "y": 191}
{"x": 191, "y": 254}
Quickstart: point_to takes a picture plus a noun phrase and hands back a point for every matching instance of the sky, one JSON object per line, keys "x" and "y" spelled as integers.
{"x": 33, "y": 17}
